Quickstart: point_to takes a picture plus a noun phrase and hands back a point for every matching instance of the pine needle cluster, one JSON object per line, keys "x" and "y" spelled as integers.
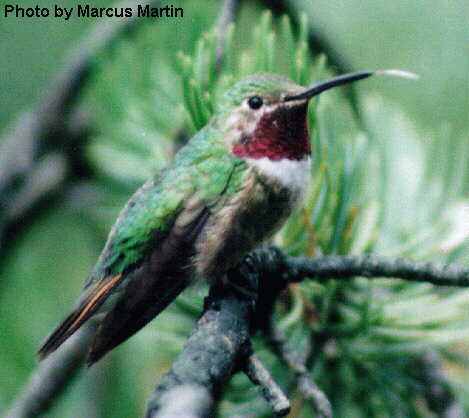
{"x": 379, "y": 184}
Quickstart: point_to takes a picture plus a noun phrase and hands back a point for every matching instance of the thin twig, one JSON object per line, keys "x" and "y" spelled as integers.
{"x": 311, "y": 392}
{"x": 271, "y": 391}
{"x": 304, "y": 382}
{"x": 440, "y": 399}
{"x": 374, "y": 266}
{"x": 52, "y": 376}
{"x": 227, "y": 15}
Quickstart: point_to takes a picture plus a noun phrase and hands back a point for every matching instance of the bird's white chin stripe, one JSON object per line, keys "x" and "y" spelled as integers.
{"x": 292, "y": 174}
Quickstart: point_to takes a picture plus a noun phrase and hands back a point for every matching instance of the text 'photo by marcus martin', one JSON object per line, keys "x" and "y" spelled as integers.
{"x": 87, "y": 11}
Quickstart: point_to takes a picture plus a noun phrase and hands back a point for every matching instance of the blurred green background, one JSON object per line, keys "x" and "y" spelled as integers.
{"x": 420, "y": 126}
{"x": 426, "y": 37}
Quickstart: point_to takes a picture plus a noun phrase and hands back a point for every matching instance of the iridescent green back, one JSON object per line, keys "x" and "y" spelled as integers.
{"x": 203, "y": 166}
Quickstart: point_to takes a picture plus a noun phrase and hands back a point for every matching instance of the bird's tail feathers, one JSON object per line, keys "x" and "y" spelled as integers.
{"x": 78, "y": 317}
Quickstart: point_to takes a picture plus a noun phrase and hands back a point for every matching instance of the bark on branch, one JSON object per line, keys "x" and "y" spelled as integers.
{"x": 220, "y": 344}
{"x": 270, "y": 270}
{"x": 212, "y": 352}
{"x": 374, "y": 266}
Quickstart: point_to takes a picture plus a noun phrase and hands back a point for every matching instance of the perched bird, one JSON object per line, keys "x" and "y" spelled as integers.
{"x": 231, "y": 187}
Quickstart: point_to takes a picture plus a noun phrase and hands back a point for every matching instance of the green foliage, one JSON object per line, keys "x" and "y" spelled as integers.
{"x": 378, "y": 190}
{"x": 389, "y": 188}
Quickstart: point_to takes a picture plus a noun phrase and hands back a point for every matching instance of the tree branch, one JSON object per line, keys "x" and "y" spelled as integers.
{"x": 305, "y": 384}
{"x": 220, "y": 344}
{"x": 52, "y": 376}
{"x": 227, "y": 15}
{"x": 374, "y": 266}
{"x": 39, "y": 133}
{"x": 188, "y": 401}
{"x": 214, "y": 349}
{"x": 205, "y": 360}
{"x": 439, "y": 396}
{"x": 272, "y": 393}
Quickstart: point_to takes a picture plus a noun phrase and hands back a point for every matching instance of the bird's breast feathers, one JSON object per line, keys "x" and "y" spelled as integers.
{"x": 294, "y": 175}
{"x": 270, "y": 192}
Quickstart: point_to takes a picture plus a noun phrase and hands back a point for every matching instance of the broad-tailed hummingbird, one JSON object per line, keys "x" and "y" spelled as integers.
{"x": 230, "y": 188}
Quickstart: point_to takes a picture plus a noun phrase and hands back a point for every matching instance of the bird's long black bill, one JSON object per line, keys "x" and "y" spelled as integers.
{"x": 328, "y": 84}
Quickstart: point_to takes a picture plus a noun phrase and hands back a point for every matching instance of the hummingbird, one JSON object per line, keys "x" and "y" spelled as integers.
{"x": 231, "y": 187}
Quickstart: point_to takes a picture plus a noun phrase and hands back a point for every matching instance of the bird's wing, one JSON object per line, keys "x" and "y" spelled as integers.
{"x": 155, "y": 283}
{"x": 147, "y": 248}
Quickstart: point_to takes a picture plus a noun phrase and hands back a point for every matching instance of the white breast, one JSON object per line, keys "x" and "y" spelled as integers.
{"x": 292, "y": 174}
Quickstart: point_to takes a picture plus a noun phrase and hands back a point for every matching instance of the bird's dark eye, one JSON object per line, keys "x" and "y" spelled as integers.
{"x": 255, "y": 102}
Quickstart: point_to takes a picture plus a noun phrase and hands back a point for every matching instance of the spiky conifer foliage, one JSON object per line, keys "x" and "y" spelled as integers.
{"x": 374, "y": 188}
{"x": 379, "y": 184}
